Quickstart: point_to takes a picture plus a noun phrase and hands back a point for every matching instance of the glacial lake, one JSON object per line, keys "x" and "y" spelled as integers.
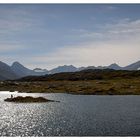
{"x": 75, "y": 115}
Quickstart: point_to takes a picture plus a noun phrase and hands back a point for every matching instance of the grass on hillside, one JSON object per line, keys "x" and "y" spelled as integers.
{"x": 119, "y": 86}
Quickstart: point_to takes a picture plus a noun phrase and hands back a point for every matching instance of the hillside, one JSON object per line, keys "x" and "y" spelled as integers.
{"x": 85, "y": 75}
{"x": 6, "y": 72}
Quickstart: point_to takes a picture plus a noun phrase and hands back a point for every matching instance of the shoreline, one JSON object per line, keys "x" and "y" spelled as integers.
{"x": 89, "y": 87}
{"x": 13, "y": 93}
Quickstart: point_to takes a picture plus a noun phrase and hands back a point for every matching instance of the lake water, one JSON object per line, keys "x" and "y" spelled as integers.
{"x": 75, "y": 115}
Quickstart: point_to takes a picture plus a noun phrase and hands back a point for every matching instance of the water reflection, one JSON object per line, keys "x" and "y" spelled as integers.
{"x": 75, "y": 115}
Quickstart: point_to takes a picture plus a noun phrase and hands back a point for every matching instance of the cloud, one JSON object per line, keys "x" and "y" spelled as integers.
{"x": 13, "y": 20}
{"x": 103, "y": 53}
{"x": 122, "y": 29}
{"x": 10, "y": 47}
{"x": 17, "y": 21}
{"x": 110, "y": 7}
{"x": 20, "y": 29}
{"x": 114, "y": 42}
{"x": 125, "y": 26}
{"x": 117, "y": 43}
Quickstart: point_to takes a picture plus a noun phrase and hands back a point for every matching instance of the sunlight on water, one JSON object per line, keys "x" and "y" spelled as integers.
{"x": 75, "y": 115}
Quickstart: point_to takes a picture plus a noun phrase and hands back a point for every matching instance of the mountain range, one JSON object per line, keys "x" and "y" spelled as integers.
{"x": 17, "y": 70}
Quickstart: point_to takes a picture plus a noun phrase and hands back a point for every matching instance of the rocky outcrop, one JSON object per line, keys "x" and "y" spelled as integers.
{"x": 28, "y": 99}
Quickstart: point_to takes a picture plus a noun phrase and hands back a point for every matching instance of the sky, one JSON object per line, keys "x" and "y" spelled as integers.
{"x": 51, "y": 35}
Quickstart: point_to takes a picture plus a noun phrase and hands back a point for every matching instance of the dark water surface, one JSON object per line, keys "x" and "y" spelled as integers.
{"x": 75, "y": 115}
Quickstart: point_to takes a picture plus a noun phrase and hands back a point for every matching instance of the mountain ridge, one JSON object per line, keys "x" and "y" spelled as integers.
{"x": 6, "y": 72}
{"x": 17, "y": 70}
{"x": 133, "y": 66}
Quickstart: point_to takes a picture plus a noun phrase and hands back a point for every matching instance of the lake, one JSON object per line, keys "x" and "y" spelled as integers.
{"x": 75, "y": 115}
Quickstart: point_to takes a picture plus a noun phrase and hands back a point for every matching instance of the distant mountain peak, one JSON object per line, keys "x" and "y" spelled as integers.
{"x": 64, "y": 68}
{"x": 23, "y": 71}
{"x": 133, "y": 66}
{"x": 16, "y": 63}
{"x": 40, "y": 70}
{"x": 18, "y": 70}
{"x": 114, "y": 64}
{"x": 37, "y": 69}
{"x": 67, "y": 66}
{"x": 6, "y": 72}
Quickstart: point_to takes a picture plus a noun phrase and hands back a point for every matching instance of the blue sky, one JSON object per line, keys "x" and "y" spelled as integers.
{"x": 48, "y": 35}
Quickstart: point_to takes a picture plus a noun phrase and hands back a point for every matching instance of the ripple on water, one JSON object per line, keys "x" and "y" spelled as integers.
{"x": 75, "y": 115}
